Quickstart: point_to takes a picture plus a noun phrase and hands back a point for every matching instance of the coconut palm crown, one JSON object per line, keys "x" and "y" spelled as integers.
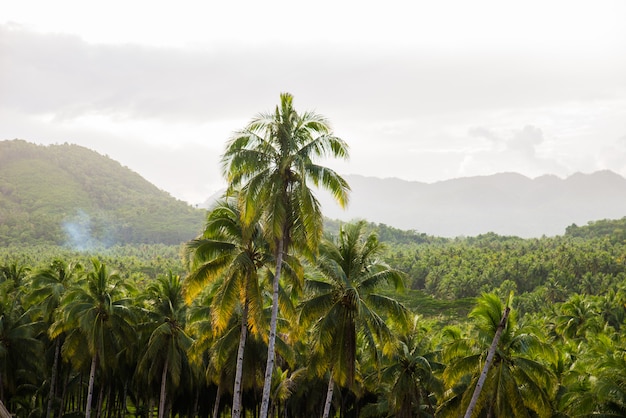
{"x": 271, "y": 162}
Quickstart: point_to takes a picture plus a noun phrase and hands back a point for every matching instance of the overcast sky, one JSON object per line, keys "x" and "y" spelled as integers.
{"x": 422, "y": 91}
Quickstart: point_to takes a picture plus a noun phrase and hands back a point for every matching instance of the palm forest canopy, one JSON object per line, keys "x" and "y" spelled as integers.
{"x": 369, "y": 320}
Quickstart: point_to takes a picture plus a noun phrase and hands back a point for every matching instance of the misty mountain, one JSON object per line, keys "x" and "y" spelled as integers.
{"x": 71, "y": 195}
{"x": 506, "y": 203}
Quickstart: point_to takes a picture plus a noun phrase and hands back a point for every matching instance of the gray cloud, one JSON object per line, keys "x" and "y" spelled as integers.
{"x": 407, "y": 112}
{"x": 613, "y": 156}
{"x": 525, "y": 140}
{"x": 62, "y": 75}
{"x": 482, "y": 132}
{"x": 514, "y": 151}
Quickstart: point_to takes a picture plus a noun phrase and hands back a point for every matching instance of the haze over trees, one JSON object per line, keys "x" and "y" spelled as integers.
{"x": 370, "y": 320}
{"x": 69, "y": 195}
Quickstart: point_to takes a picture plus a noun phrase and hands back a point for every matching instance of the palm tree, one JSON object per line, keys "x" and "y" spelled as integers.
{"x": 20, "y": 351}
{"x": 489, "y": 360}
{"x": 231, "y": 251}
{"x": 219, "y": 353}
{"x": 610, "y": 386}
{"x": 578, "y": 316}
{"x": 409, "y": 374}
{"x": 166, "y": 351}
{"x": 13, "y": 272}
{"x": 200, "y": 328}
{"x": 48, "y": 285}
{"x": 96, "y": 309}
{"x": 344, "y": 302}
{"x": 272, "y": 160}
{"x": 517, "y": 380}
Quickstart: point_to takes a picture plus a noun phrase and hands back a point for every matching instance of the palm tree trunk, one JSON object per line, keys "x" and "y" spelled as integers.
{"x": 111, "y": 401}
{"x": 64, "y": 402}
{"x": 490, "y": 356}
{"x": 53, "y": 377}
{"x": 100, "y": 400}
{"x": 92, "y": 378}
{"x": 123, "y": 409}
{"x": 4, "y": 413}
{"x": 269, "y": 367}
{"x": 237, "y": 394}
{"x": 163, "y": 387}
{"x": 329, "y": 395}
{"x": 216, "y": 407}
{"x": 196, "y": 401}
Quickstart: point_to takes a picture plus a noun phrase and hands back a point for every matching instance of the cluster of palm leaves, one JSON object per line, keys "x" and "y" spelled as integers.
{"x": 75, "y": 340}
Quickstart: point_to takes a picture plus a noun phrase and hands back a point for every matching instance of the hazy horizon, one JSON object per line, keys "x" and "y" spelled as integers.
{"x": 420, "y": 92}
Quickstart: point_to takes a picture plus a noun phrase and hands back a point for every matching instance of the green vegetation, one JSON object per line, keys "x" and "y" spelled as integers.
{"x": 344, "y": 304}
{"x": 69, "y": 195}
{"x": 569, "y": 327}
{"x": 614, "y": 230}
{"x": 372, "y": 321}
{"x": 271, "y": 165}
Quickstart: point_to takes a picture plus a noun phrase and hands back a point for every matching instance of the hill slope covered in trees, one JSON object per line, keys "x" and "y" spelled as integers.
{"x": 70, "y": 195}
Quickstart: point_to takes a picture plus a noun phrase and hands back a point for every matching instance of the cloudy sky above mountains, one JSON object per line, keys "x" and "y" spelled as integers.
{"x": 423, "y": 91}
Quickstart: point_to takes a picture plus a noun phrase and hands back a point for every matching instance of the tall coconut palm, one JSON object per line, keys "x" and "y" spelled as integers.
{"x": 20, "y": 351}
{"x": 232, "y": 251}
{"x": 272, "y": 159}
{"x": 166, "y": 352}
{"x": 610, "y": 387}
{"x": 97, "y": 309}
{"x": 48, "y": 286}
{"x": 15, "y": 273}
{"x": 219, "y": 351}
{"x": 517, "y": 380}
{"x": 344, "y": 302}
{"x": 200, "y": 328}
{"x": 489, "y": 359}
{"x": 578, "y": 316}
{"x": 409, "y": 374}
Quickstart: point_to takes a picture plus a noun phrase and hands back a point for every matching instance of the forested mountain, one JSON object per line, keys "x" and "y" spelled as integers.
{"x": 506, "y": 203}
{"x": 70, "y": 195}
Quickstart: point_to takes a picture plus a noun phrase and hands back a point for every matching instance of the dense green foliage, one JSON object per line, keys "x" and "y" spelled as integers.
{"x": 567, "y": 328}
{"x": 614, "y": 230}
{"x": 70, "y": 195}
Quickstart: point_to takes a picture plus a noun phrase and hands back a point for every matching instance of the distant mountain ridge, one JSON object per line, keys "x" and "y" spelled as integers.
{"x": 506, "y": 203}
{"x": 70, "y": 195}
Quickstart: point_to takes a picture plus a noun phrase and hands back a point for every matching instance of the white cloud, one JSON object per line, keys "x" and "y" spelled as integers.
{"x": 512, "y": 151}
{"x": 525, "y": 140}
{"x": 613, "y": 156}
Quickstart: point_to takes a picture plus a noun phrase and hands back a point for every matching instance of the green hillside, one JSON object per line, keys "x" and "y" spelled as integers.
{"x": 614, "y": 230}
{"x": 70, "y": 195}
